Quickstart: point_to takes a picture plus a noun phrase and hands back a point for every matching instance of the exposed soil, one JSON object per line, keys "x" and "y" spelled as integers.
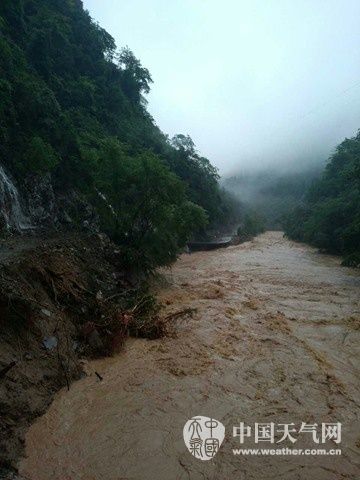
{"x": 271, "y": 334}
{"x": 59, "y": 302}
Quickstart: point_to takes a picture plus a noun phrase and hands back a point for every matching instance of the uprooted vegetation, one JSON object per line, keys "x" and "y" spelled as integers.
{"x": 60, "y": 301}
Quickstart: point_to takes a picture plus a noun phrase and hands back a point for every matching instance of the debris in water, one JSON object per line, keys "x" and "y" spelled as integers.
{"x": 185, "y": 312}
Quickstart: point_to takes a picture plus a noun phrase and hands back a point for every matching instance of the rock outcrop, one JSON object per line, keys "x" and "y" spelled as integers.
{"x": 37, "y": 205}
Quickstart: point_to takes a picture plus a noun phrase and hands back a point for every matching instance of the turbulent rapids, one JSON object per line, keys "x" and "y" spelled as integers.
{"x": 274, "y": 337}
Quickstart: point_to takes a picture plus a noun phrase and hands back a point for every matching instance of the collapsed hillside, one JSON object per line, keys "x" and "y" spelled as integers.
{"x": 61, "y": 299}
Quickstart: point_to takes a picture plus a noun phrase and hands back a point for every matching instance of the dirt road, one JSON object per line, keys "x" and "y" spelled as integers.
{"x": 275, "y": 338}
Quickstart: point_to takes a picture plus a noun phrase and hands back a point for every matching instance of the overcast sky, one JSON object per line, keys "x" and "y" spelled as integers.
{"x": 253, "y": 82}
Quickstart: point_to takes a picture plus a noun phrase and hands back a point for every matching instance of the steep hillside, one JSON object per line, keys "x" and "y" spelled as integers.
{"x": 73, "y": 111}
{"x": 329, "y": 216}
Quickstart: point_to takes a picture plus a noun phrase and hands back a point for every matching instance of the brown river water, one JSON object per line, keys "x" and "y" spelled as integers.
{"x": 274, "y": 338}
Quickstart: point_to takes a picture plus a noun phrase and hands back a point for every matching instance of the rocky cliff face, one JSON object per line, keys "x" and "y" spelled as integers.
{"x": 36, "y": 205}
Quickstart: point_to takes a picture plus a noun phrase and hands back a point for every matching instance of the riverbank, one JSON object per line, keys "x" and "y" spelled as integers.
{"x": 63, "y": 298}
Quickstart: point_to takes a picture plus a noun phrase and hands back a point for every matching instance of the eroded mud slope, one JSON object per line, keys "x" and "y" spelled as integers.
{"x": 59, "y": 302}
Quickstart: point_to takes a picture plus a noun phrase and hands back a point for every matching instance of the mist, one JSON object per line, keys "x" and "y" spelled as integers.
{"x": 253, "y": 83}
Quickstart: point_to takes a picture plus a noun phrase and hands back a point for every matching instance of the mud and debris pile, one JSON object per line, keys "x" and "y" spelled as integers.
{"x": 63, "y": 299}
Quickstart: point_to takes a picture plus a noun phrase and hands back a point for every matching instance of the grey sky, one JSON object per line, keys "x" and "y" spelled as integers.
{"x": 253, "y": 82}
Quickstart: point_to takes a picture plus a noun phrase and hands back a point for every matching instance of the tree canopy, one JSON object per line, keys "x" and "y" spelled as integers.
{"x": 329, "y": 216}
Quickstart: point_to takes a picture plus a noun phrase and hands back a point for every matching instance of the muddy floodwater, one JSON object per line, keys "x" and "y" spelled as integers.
{"x": 274, "y": 338}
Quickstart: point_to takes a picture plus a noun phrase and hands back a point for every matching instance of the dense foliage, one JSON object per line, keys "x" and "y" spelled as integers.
{"x": 252, "y": 225}
{"x": 72, "y": 105}
{"x": 329, "y": 217}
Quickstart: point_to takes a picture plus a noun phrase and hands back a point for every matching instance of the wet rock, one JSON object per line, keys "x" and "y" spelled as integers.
{"x": 74, "y": 209}
{"x": 37, "y": 203}
{"x": 66, "y": 217}
{"x": 6, "y": 474}
{"x": 50, "y": 343}
{"x": 92, "y": 337}
{"x": 95, "y": 341}
{"x": 41, "y": 200}
{"x": 48, "y": 207}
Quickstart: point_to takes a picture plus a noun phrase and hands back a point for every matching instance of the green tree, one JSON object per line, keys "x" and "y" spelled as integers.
{"x": 135, "y": 78}
{"x": 330, "y": 215}
{"x": 39, "y": 157}
{"x": 147, "y": 209}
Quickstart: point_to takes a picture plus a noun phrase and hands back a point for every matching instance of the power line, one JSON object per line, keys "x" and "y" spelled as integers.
{"x": 324, "y": 104}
